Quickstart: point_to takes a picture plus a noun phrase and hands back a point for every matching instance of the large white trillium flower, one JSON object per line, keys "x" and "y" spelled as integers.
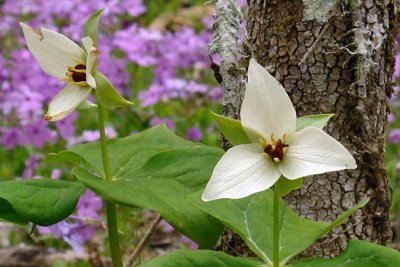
{"x": 60, "y": 57}
{"x": 269, "y": 120}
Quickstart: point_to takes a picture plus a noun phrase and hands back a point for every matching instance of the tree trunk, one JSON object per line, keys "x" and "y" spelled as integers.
{"x": 334, "y": 57}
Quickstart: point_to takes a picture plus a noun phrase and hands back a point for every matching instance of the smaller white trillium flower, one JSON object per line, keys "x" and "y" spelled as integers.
{"x": 269, "y": 120}
{"x": 60, "y": 57}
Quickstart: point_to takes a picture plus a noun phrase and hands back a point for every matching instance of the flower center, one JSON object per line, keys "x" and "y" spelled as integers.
{"x": 77, "y": 73}
{"x": 275, "y": 149}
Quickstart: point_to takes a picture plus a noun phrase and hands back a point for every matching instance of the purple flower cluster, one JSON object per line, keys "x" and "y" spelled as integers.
{"x": 168, "y": 52}
{"x": 79, "y": 228}
{"x": 25, "y": 89}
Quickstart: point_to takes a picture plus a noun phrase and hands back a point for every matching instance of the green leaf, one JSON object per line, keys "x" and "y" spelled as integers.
{"x": 200, "y": 258}
{"x": 156, "y": 169}
{"x": 318, "y": 121}
{"x": 232, "y": 130}
{"x": 40, "y": 201}
{"x": 285, "y": 186}
{"x": 106, "y": 94}
{"x": 252, "y": 219}
{"x": 91, "y": 25}
{"x": 357, "y": 254}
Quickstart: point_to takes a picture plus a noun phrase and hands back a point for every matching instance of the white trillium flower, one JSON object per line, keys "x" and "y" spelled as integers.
{"x": 60, "y": 57}
{"x": 269, "y": 120}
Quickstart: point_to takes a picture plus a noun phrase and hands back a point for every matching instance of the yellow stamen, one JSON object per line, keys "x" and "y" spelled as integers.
{"x": 262, "y": 142}
{"x": 277, "y": 160}
{"x": 81, "y": 83}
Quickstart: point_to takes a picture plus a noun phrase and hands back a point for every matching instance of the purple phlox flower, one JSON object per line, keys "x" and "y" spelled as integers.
{"x": 55, "y": 174}
{"x": 242, "y": 3}
{"x": 390, "y": 118}
{"x": 167, "y": 121}
{"x": 184, "y": 48}
{"x": 151, "y": 96}
{"x": 139, "y": 44}
{"x": 166, "y": 227}
{"x": 30, "y": 165}
{"x": 133, "y": 8}
{"x": 394, "y": 136}
{"x": 216, "y": 93}
{"x": 194, "y": 87}
{"x": 189, "y": 242}
{"x": 37, "y": 134}
{"x": 208, "y": 22}
{"x": 91, "y": 136}
{"x": 30, "y": 104}
{"x": 74, "y": 233}
{"x": 194, "y": 134}
{"x": 171, "y": 89}
{"x": 118, "y": 73}
{"x": 89, "y": 205}
{"x": 11, "y": 137}
{"x": 396, "y": 71}
{"x": 65, "y": 127}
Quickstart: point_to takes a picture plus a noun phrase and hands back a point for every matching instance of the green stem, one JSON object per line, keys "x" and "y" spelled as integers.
{"x": 110, "y": 206}
{"x": 277, "y": 228}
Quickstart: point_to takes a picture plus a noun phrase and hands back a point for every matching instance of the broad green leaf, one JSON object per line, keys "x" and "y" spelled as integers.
{"x": 357, "y": 254}
{"x": 155, "y": 169}
{"x": 285, "y": 186}
{"x": 232, "y": 130}
{"x": 40, "y": 201}
{"x": 200, "y": 258}
{"x": 91, "y": 25}
{"x": 252, "y": 219}
{"x": 318, "y": 121}
{"x": 106, "y": 94}
{"x": 8, "y": 213}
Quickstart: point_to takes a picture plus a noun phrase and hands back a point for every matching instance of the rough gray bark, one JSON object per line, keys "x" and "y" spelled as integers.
{"x": 334, "y": 57}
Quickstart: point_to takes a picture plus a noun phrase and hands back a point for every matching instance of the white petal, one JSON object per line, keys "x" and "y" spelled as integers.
{"x": 53, "y": 51}
{"x": 312, "y": 151}
{"x": 92, "y": 53}
{"x": 242, "y": 171}
{"x": 266, "y": 107}
{"x": 66, "y": 101}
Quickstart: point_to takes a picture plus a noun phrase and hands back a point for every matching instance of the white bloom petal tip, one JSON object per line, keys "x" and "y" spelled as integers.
{"x": 53, "y": 51}
{"x": 66, "y": 101}
{"x": 313, "y": 151}
{"x": 266, "y": 107}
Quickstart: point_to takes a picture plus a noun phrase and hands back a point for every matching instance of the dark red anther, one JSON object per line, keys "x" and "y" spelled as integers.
{"x": 276, "y": 152}
{"x": 78, "y": 76}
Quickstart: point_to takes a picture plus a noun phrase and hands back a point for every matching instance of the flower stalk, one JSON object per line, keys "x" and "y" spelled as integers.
{"x": 112, "y": 226}
{"x": 276, "y": 228}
